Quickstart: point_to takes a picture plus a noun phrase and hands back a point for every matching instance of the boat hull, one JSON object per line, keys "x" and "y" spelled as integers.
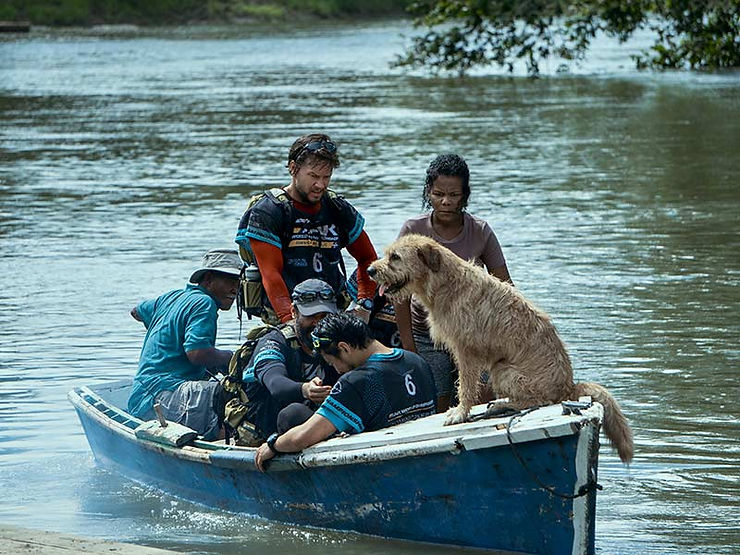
{"x": 460, "y": 495}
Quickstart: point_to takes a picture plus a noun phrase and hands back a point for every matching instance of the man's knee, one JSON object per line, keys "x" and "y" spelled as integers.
{"x": 291, "y": 416}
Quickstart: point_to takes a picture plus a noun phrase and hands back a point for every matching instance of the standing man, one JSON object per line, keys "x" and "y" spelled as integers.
{"x": 300, "y": 233}
{"x": 180, "y": 346}
{"x": 379, "y": 387}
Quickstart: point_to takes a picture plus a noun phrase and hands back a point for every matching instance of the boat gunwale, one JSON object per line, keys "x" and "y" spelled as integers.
{"x": 468, "y": 436}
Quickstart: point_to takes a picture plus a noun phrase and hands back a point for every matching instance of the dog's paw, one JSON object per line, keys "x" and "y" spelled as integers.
{"x": 456, "y": 415}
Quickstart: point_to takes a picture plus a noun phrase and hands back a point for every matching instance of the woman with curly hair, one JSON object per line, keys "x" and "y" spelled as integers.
{"x": 446, "y": 192}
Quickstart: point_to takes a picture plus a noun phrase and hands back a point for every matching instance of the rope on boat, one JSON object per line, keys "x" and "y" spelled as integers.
{"x": 586, "y": 488}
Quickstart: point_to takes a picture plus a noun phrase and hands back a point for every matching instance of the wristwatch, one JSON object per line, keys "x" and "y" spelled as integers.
{"x": 367, "y": 304}
{"x": 271, "y": 443}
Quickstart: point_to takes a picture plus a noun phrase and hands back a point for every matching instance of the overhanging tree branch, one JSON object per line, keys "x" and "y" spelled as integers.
{"x": 462, "y": 34}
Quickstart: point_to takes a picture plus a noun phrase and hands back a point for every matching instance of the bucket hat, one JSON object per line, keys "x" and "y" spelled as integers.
{"x": 226, "y": 261}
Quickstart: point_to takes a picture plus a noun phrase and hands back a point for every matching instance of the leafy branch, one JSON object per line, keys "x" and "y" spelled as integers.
{"x": 462, "y": 34}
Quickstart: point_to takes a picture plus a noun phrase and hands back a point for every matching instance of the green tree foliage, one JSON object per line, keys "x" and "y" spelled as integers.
{"x": 461, "y": 34}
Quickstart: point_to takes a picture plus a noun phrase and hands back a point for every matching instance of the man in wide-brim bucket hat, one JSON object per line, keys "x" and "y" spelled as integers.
{"x": 179, "y": 347}
{"x": 223, "y": 261}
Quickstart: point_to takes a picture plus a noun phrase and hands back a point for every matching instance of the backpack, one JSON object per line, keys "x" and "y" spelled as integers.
{"x": 235, "y": 409}
{"x": 251, "y": 297}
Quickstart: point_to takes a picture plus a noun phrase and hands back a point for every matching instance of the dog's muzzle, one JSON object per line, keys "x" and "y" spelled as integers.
{"x": 386, "y": 289}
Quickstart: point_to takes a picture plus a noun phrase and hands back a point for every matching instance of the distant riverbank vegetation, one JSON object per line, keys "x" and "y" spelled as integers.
{"x": 166, "y": 12}
{"x": 459, "y": 34}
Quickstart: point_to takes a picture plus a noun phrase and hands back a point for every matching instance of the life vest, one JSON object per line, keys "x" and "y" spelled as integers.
{"x": 281, "y": 198}
{"x": 251, "y": 297}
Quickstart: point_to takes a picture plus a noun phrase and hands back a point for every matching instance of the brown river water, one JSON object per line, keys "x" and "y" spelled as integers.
{"x": 125, "y": 154}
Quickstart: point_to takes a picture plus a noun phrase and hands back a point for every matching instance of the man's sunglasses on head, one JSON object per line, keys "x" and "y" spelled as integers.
{"x": 311, "y": 296}
{"x": 313, "y": 146}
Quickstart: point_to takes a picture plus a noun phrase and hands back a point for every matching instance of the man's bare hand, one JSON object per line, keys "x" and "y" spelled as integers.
{"x": 315, "y": 390}
{"x": 264, "y": 454}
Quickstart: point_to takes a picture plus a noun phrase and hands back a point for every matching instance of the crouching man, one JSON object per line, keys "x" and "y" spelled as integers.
{"x": 285, "y": 380}
{"x": 379, "y": 387}
{"x": 180, "y": 346}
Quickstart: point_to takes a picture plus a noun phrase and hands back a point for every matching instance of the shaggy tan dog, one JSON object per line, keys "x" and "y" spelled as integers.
{"x": 487, "y": 325}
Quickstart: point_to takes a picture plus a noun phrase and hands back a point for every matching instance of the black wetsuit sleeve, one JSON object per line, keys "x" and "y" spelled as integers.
{"x": 281, "y": 387}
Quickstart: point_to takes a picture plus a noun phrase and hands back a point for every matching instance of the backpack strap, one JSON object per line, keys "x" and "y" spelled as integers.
{"x": 232, "y": 381}
{"x": 277, "y": 195}
{"x": 290, "y": 335}
{"x": 334, "y": 207}
{"x": 344, "y": 235}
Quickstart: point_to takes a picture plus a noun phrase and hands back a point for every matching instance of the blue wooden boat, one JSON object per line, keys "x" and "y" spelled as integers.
{"x": 521, "y": 484}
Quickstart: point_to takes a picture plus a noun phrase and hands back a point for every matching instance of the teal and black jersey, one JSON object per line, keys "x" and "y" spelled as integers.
{"x": 311, "y": 243}
{"x": 385, "y": 391}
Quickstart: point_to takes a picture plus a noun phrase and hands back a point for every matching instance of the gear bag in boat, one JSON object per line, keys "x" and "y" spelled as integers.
{"x": 235, "y": 408}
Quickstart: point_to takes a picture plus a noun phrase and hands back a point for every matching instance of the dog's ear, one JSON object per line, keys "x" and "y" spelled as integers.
{"x": 430, "y": 256}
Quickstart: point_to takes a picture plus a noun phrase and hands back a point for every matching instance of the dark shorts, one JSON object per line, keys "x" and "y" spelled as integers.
{"x": 443, "y": 367}
{"x": 440, "y": 361}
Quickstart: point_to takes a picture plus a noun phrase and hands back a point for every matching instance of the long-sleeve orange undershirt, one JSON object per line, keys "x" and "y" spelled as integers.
{"x": 363, "y": 251}
{"x": 270, "y": 262}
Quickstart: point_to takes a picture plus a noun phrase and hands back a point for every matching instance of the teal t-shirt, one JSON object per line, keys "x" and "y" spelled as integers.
{"x": 176, "y": 322}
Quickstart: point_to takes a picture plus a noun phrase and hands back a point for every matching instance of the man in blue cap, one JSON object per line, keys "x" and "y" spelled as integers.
{"x": 179, "y": 347}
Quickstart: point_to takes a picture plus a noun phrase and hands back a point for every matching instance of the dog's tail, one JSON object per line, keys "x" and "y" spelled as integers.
{"x": 616, "y": 428}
